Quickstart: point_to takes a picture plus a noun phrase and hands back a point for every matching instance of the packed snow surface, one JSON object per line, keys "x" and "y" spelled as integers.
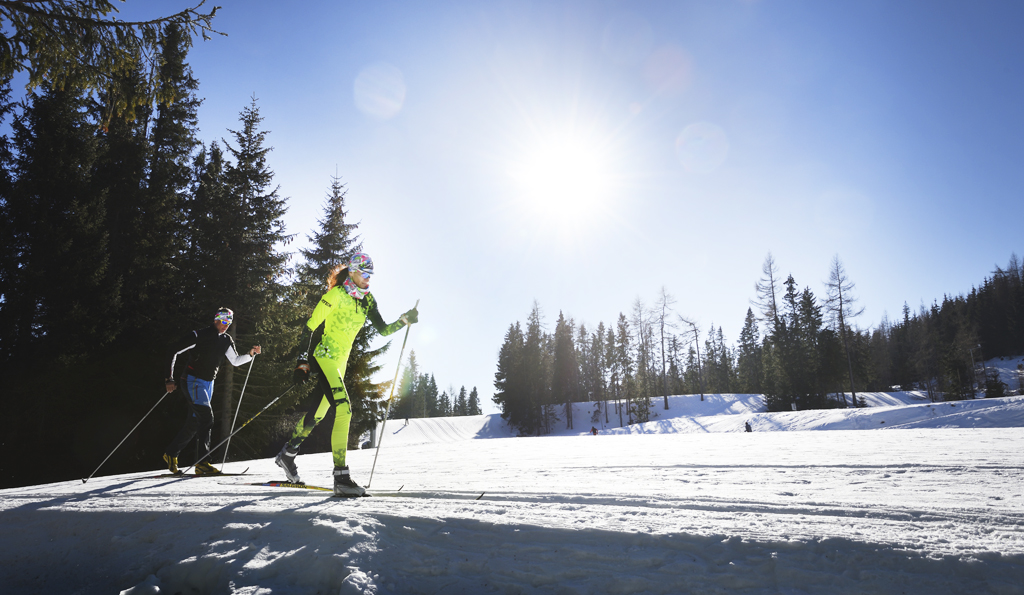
{"x": 905, "y": 496}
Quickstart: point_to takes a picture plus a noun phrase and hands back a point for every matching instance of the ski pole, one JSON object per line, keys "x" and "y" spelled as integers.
{"x": 237, "y": 408}
{"x": 126, "y": 436}
{"x": 265, "y": 407}
{"x": 388, "y": 411}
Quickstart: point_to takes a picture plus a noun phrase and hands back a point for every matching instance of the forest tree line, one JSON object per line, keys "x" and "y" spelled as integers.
{"x": 418, "y": 397}
{"x": 123, "y": 231}
{"x": 798, "y": 349}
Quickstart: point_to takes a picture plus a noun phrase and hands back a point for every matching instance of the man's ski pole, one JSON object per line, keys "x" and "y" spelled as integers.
{"x": 126, "y": 436}
{"x": 237, "y": 408}
{"x": 388, "y": 411}
{"x": 265, "y": 407}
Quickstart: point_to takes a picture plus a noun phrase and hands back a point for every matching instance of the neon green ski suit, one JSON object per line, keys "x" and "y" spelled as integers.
{"x": 339, "y": 317}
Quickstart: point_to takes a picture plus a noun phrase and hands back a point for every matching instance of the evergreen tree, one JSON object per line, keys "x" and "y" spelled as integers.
{"x": 168, "y": 191}
{"x": 749, "y": 365}
{"x": 252, "y": 266}
{"x": 473, "y": 404}
{"x": 644, "y": 380}
{"x": 58, "y": 219}
{"x": 444, "y": 405}
{"x": 623, "y": 360}
{"x": 138, "y": 239}
{"x": 75, "y": 46}
{"x": 511, "y": 389}
{"x": 599, "y": 372}
{"x": 9, "y": 248}
{"x": 536, "y": 374}
{"x": 408, "y": 402}
{"x": 333, "y": 243}
{"x": 565, "y": 370}
{"x": 430, "y": 397}
{"x": 461, "y": 406}
{"x": 207, "y": 250}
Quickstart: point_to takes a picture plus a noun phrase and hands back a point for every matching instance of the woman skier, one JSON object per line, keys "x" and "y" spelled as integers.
{"x": 332, "y": 329}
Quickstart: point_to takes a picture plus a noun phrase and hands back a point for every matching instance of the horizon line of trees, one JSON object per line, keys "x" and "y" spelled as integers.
{"x": 418, "y": 396}
{"x": 799, "y": 350}
{"x": 121, "y": 234}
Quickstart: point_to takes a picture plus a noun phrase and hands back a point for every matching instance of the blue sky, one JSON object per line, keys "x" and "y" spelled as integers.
{"x": 584, "y": 154}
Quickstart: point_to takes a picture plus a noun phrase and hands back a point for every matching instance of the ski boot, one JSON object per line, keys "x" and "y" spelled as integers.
{"x": 205, "y": 468}
{"x": 344, "y": 486}
{"x": 286, "y": 460}
{"x": 172, "y": 464}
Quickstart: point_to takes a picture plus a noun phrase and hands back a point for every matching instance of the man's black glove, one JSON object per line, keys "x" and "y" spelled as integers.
{"x": 411, "y": 317}
{"x": 301, "y": 373}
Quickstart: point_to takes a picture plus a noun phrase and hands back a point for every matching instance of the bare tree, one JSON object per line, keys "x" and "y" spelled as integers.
{"x": 663, "y": 306}
{"x": 840, "y": 307}
{"x": 696, "y": 341}
{"x": 766, "y": 289}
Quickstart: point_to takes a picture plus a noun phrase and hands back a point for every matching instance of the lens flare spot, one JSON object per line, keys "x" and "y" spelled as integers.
{"x": 669, "y": 70}
{"x": 379, "y": 91}
{"x": 702, "y": 147}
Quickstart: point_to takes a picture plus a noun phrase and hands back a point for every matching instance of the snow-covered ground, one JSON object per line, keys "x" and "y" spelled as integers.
{"x": 1011, "y": 371}
{"x": 930, "y": 502}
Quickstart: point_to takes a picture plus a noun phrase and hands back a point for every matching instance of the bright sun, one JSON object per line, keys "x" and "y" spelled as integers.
{"x": 564, "y": 180}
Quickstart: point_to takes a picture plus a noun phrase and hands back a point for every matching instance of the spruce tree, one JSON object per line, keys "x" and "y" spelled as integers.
{"x": 565, "y": 370}
{"x": 509, "y": 383}
{"x": 461, "y": 406}
{"x": 250, "y": 274}
{"x": 9, "y": 248}
{"x": 165, "y": 217}
{"x": 59, "y": 216}
{"x": 749, "y": 364}
{"x": 473, "y": 404}
{"x": 407, "y": 404}
{"x": 333, "y": 243}
{"x": 139, "y": 256}
{"x": 77, "y": 46}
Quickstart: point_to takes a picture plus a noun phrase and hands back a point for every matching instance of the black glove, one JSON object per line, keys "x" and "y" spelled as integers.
{"x": 411, "y": 317}
{"x": 301, "y": 373}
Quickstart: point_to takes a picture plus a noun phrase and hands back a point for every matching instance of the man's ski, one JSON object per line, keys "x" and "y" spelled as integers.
{"x": 304, "y": 486}
{"x": 193, "y": 475}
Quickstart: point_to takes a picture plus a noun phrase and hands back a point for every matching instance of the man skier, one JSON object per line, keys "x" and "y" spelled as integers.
{"x": 206, "y": 347}
{"x": 329, "y": 334}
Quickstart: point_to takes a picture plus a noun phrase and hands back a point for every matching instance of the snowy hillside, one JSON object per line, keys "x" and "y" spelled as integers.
{"x": 687, "y": 503}
{"x": 688, "y": 414}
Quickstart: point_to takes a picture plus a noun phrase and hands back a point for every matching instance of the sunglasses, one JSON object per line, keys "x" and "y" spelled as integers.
{"x": 223, "y": 319}
{"x": 364, "y": 274}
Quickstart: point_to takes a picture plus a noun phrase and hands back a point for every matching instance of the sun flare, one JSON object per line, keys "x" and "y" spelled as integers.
{"x": 563, "y": 179}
